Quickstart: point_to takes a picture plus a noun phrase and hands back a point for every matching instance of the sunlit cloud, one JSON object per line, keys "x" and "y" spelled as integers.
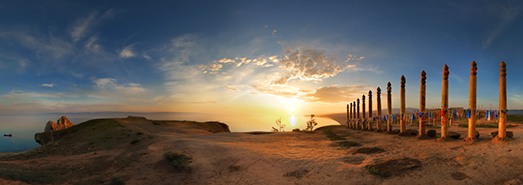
{"x": 336, "y": 93}
{"x": 281, "y": 75}
{"x": 127, "y": 52}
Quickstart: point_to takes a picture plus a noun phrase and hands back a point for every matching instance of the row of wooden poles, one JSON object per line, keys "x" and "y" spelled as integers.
{"x": 366, "y": 123}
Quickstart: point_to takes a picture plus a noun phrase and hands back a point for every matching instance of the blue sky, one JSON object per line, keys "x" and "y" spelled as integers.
{"x": 227, "y": 56}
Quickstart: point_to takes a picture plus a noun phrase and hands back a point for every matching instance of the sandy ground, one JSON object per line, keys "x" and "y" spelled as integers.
{"x": 298, "y": 158}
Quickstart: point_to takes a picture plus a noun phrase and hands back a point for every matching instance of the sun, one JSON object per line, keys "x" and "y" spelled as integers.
{"x": 292, "y": 109}
{"x": 291, "y": 106}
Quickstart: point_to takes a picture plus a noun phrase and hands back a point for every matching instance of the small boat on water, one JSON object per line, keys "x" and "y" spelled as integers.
{"x": 8, "y": 135}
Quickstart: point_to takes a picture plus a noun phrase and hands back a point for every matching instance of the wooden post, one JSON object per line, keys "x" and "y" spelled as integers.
{"x": 369, "y": 121}
{"x": 502, "y": 127}
{"x": 358, "y": 120}
{"x": 389, "y": 107}
{"x": 444, "y": 102}
{"x": 402, "y": 106}
{"x": 349, "y": 107}
{"x": 472, "y": 102}
{"x": 378, "y": 102}
{"x": 352, "y": 118}
{"x": 422, "y": 90}
{"x": 364, "y": 119}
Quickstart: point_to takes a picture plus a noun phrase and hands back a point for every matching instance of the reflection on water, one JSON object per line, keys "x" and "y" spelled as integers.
{"x": 23, "y": 127}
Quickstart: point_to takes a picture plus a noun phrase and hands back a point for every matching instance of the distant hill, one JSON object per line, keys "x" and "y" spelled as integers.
{"x": 515, "y": 112}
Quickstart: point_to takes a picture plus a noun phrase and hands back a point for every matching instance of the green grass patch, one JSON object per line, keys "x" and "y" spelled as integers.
{"x": 515, "y": 118}
{"x": 345, "y": 144}
{"x": 27, "y": 175}
{"x": 117, "y": 181}
{"x": 136, "y": 141}
{"x": 179, "y": 161}
{"x": 465, "y": 125}
{"x": 333, "y": 136}
{"x": 375, "y": 171}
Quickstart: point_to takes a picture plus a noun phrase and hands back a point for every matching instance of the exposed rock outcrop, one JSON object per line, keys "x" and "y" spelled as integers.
{"x": 62, "y": 123}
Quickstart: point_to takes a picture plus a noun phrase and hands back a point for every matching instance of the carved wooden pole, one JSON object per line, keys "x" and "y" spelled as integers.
{"x": 369, "y": 121}
{"x": 358, "y": 116}
{"x": 502, "y": 127}
{"x": 351, "y": 115}
{"x": 349, "y": 108}
{"x": 364, "y": 121}
{"x": 378, "y": 101}
{"x": 402, "y": 106}
{"x": 389, "y": 108}
{"x": 354, "y": 120}
{"x": 444, "y": 101}
{"x": 472, "y": 101}
{"x": 421, "y": 128}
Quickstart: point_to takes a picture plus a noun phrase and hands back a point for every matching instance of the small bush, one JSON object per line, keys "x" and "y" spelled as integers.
{"x": 117, "y": 181}
{"x": 375, "y": 171}
{"x": 136, "y": 141}
{"x": 515, "y": 118}
{"x": 332, "y": 136}
{"x": 180, "y": 162}
{"x": 345, "y": 144}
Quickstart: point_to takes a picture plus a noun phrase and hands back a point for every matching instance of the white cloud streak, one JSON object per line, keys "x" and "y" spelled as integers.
{"x": 112, "y": 85}
{"x": 50, "y": 85}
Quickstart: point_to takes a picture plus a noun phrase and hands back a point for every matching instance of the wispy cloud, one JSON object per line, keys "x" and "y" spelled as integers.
{"x": 112, "y": 85}
{"x": 28, "y": 96}
{"x": 44, "y": 46}
{"x": 84, "y": 24}
{"x": 506, "y": 14}
{"x": 127, "y": 52}
{"x": 50, "y": 85}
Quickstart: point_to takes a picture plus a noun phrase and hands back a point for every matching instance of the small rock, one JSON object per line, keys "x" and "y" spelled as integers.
{"x": 494, "y": 134}
{"x": 296, "y": 130}
{"x": 454, "y": 135}
{"x": 431, "y": 133}
{"x": 458, "y": 176}
{"x": 476, "y": 134}
{"x": 411, "y": 132}
{"x": 509, "y": 134}
{"x": 395, "y": 131}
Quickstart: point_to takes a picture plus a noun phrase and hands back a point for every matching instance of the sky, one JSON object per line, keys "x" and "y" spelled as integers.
{"x": 246, "y": 57}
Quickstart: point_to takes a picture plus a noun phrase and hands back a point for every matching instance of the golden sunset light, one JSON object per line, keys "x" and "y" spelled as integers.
{"x": 261, "y": 92}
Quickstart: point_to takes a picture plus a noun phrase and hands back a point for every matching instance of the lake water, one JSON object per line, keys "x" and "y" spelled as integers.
{"x": 23, "y": 127}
